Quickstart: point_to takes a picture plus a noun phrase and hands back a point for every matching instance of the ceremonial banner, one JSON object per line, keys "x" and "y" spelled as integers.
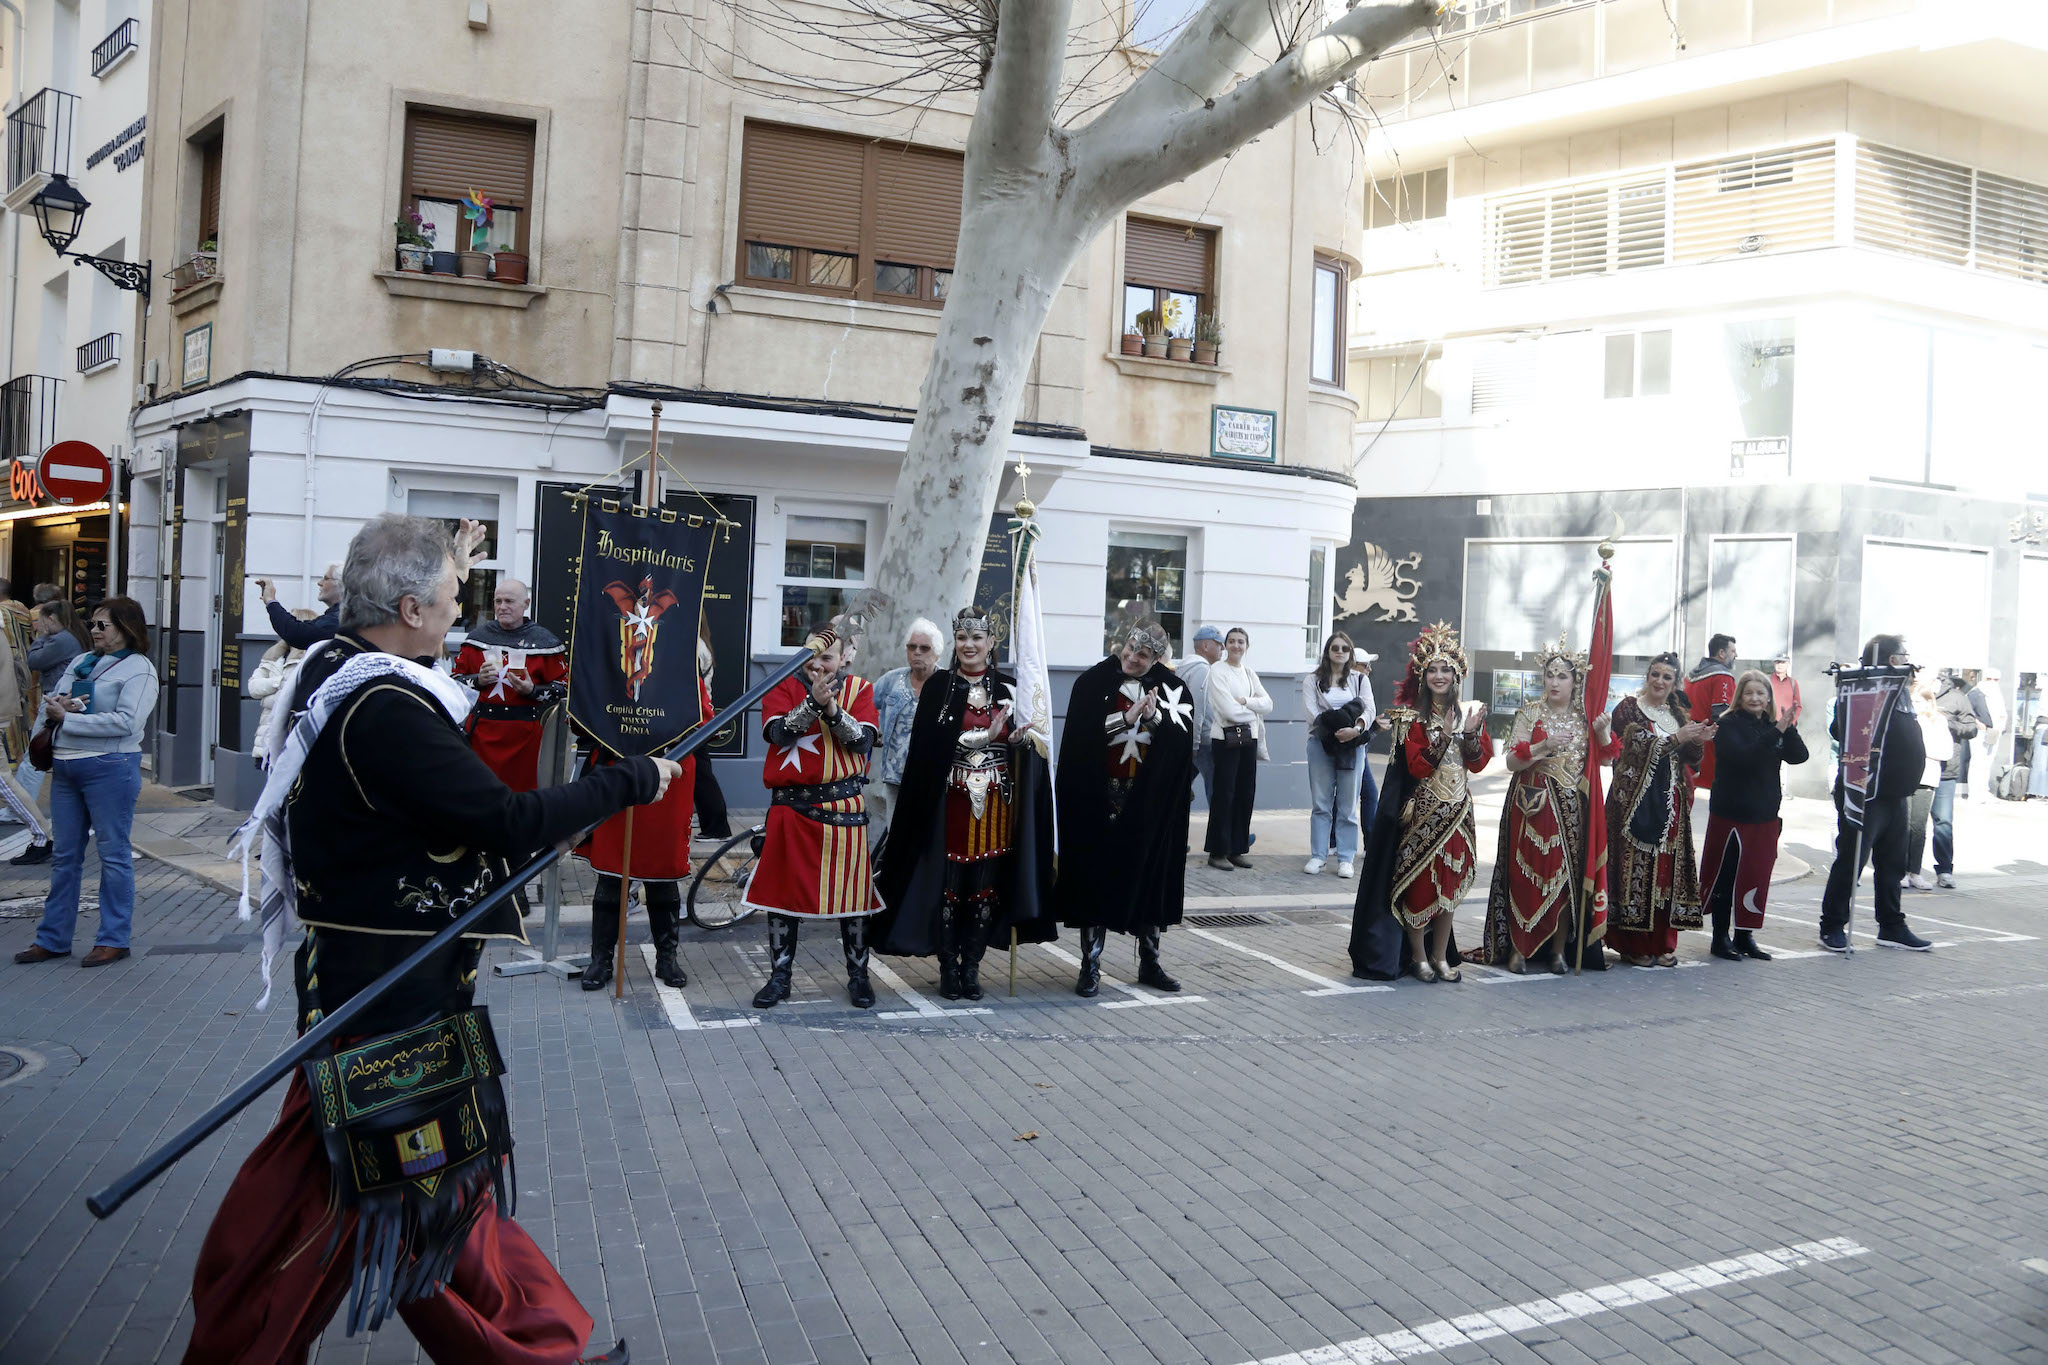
{"x": 1864, "y": 699}
{"x": 633, "y": 637}
{"x": 1027, "y": 637}
{"x": 1599, "y": 675}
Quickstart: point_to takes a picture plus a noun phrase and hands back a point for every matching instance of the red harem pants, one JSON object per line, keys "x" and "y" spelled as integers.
{"x": 262, "y": 1292}
{"x": 1754, "y": 855}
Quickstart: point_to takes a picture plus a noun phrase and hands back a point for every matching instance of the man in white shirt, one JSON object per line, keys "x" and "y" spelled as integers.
{"x": 1194, "y": 671}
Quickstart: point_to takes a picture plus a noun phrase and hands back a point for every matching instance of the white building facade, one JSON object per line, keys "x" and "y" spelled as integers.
{"x": 1759, "y": 287}
{"x": 78, "y": 74}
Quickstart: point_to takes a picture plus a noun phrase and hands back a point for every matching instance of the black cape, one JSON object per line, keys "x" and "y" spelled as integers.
{"x": 530, "y": 636}
{"x": 911, "y": 879}
{"x": 1129, "y": 873}
{"x": 1379, "y": 944}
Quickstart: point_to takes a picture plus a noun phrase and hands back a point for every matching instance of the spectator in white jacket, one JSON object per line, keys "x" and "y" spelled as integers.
{"x": 1238, "y": 707}
{"x": 272, "y": 679}
{"x": 1337, "y": 699}
{"x": 1941, "y": 748}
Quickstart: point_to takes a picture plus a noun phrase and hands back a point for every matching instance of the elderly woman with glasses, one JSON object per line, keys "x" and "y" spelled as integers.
{"x": 96, "y": 716}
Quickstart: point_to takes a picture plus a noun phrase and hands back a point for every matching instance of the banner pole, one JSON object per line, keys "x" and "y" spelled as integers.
{"x": 625, "y": 894}
{"x": 1013, "y": 959}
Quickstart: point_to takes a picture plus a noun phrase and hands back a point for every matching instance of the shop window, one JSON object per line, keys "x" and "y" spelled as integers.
{"x": 1517, "y": 591}
{"x": 1411, "y": 198}
{"x": 824, "y": 561}
{"x": 453, "y": 508}
{"x": 449, "y": 155}
{"x": 1326, "y": 347}
{"x": 1398, "y": 384}
{"x": 1170, "y": 269}
{"x": 823, "y": 213}
{"x": 1750, "y": 594}
{"x": 1146, "y": 580}
{"x": 1639, "y": 364}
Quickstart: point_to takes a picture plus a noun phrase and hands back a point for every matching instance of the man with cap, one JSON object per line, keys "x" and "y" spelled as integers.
{"x": 1194, "y": 671}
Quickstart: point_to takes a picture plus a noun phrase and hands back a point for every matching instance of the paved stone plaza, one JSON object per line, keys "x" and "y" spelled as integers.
{"x": 1811, "y": 1160}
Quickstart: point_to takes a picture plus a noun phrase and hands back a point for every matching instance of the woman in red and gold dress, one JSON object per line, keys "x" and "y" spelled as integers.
{"x": 1652, "y": 876}
{"x": 820, "y": 729}
{"x": 1423, "y": 853}
{"x": 1533, "y": 908}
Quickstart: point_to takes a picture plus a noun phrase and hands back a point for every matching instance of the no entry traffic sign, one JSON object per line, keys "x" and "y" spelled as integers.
{"x": 75, "y": 473}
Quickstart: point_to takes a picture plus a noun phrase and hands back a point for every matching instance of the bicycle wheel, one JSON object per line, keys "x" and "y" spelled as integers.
{"x": 716, "y": 899}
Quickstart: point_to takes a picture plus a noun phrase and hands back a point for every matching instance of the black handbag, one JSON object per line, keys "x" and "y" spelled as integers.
{"x": 1238, "y": 737}
{"x": 42, "y": 747}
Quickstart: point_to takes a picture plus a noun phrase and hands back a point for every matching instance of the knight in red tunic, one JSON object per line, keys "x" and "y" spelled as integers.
{"x": 517, "y": 670}
{"x": 661, "y": 859}
{"x": 820, "y": 728}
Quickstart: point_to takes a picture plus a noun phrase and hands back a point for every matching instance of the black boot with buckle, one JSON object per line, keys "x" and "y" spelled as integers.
{"x": 1092, "y": 941}
{"x": 950, "y": 914}
{"x": 664, "y": 921}
{"x": 1150, "y": 973}
{"x": 973, "y": 943}
{"x": 853, "y": 937}
{"x": 604, "y": 934}
{"x": 781, "y": 962}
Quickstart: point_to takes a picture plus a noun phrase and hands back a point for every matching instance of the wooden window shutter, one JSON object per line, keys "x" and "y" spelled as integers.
{"x": 1169, "y": 256}
{"x": 448, "y": 155}
{"x": 803, "y": 188}
{"x": 917, "y": 205}
{"x": 209, "y": 190}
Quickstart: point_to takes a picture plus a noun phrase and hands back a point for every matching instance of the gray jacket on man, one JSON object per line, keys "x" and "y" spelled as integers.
{"x": 1953, "y": 701}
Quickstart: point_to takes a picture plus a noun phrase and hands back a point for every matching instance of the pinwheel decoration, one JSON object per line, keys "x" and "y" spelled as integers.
{"x": 477, "y": 208}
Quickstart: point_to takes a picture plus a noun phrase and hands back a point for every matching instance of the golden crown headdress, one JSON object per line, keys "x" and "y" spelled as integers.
{"x": 1577, "y": 662}
{"x": 1438, "y": 644}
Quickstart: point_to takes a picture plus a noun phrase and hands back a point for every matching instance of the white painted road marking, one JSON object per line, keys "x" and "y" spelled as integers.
{"x": 920, "y": 1007}
{"x": 678, "y": 1009}
{"x": 1139, "y": 996}
{"x": 1326, "y": 984}
{"x": 1497, "y": 1322}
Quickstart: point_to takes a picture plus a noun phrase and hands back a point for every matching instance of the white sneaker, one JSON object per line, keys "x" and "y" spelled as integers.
{"x": 1945, "y": 881}
{"x": 1313, "y": 867}
{"x": 1915, "y": 882}
{"x": 1344, "y": 871}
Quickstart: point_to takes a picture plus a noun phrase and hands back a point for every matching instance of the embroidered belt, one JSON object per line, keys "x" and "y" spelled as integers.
{"x": 809, "y": 802}
{"x": 975, "y": 771}
{"x": 498, "y": 710}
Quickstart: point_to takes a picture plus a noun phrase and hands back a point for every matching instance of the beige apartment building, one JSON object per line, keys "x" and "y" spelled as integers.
{"x": 672, "y": 219}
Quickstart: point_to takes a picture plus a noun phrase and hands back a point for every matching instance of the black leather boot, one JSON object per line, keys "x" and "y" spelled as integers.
{"x": 781, "y": 962}
{"x": 950, "y": 915}
{"x": 853, "y": 937}
{"x": 1721, "y": 947}
{"x": 1092, "y": 941}
{"x": 1150, "y": 973}
{"x": 664, "y": 921}
{"x": 617, "y": 1355}
{"x": 604, "y": 934}
{"x": 1746, "y": 944}
{"x": 973, "y": 943}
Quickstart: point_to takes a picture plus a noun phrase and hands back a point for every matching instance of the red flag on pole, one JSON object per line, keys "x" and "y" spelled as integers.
{"x": 1599, "y": 676}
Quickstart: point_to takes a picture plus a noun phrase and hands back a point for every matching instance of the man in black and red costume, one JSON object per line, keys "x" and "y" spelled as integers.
{"x": 386, "y": 1168}
{"x": 969, "y": 853}
{"x": 1123, "y": 805}
{"x": 517, "y": 668}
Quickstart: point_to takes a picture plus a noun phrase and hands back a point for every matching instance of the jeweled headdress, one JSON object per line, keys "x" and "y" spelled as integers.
{"x": 1438, "y": 645}
{"x": 1562, "y": 650}
{"x": 1149, "y": 637}
{"x": 970, "y": 619}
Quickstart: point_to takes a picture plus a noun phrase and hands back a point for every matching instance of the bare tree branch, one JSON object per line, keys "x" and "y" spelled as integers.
{"x": 1022, "y": 88}
{"x": 1138, "y": 156}
{"x": 1200, "y": 63}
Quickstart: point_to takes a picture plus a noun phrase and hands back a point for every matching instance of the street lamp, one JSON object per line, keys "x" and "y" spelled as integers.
{"x": 60, "y": 215}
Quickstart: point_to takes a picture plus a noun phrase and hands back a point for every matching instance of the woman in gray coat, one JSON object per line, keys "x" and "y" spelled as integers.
{"x": 98, "y": 715}
{"x": 59, "y": 640}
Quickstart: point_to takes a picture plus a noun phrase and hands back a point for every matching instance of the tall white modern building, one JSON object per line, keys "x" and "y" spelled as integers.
{"x": 1760, "y": 284}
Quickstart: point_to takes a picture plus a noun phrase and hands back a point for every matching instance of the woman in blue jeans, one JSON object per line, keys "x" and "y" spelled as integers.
{"x": 98, "y": 714}
{"x": 1341, "y": 716}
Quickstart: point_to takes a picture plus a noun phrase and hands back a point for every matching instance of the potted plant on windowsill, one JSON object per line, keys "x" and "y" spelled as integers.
{"x": 474, "y": 265}
{"x": 508, "y": 266}
{"x": 1208, "y": 338}
{"x": 1170, "y": 319}
{"x": 1134, "y": 342}
{"x": 1153, "y": 332}
{"x": 415, "y": 242}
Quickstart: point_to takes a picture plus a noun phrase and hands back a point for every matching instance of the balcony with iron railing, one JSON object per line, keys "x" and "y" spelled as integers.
{"x": 99, "y": 353}
{"x": 28, "y": 416}
{"x": 115, "y": 46}
{"x": 1487, "y": 50}
{"x": 1843, "y": 192}
{"x": 38, "y": 143}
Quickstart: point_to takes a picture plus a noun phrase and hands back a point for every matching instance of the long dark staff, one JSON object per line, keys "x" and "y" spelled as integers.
{"x": 156, "y": 1163}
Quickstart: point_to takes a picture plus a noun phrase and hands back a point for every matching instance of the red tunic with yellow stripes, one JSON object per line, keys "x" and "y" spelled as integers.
{"x": 814, "y": 861}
